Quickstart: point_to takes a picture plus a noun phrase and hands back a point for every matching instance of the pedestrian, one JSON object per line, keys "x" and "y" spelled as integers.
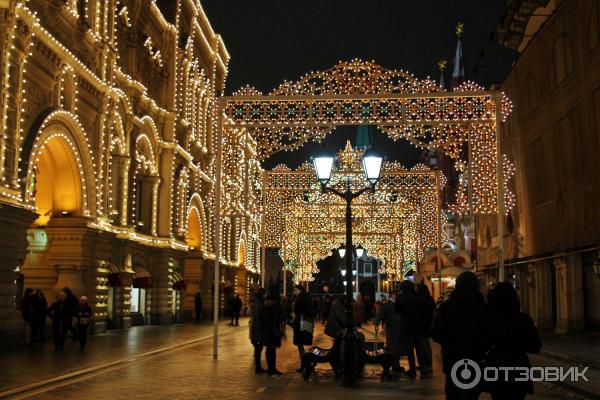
{"x": 83, "y": 312}
{"x": 256, "y": 330}
{"x": 425, "y": 356}
{"x": 38, "y": 318}
{"x": 325, "y": 308}
{"x": 273, "y": 323}
{"x": 392, "y": 321}
{"x": 336, "y": 320}
{"x": 198, "y": 305}
{"x": 26, "y": 307}
{"x": 508, "y": 335}
{"x": 236, "y": 307}
{"x": 359, "y": 310}
{"x": 73, "y": 303}
{"x": 369, "y": 308}
{"x": 61, "y": 313}
{"x": 407, "y": 304}
{"x": 303, "y": 322}
{"x": 457, "y": 327}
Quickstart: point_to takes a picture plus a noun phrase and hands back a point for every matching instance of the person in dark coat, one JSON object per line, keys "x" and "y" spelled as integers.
{"x": 38, "y": 318}
{"x": 408, "y": 305}
{"x": 393, "y": 325}
{"x": 236, "y": 307}
{"x": 73, "y": 303}
{"x": 325, "y": 308}
{"x": 508, "y": 335}
{"x": 273, "y": 322}
{"x": 336, "y": 320}
{"x": 198, "y": 305}
{"x": 303, "y": 320}
{"x": 26, "y": 307}
{"x": 425, "y": 356}
{"x": 83, "y": 312}
{"x": 61, "y": 313}
{"x": 457, "y": 328}
{"x": 256, "y": 331}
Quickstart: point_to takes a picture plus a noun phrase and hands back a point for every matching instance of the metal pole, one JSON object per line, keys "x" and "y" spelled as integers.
{"x": 350, "y": 346}
{"x": 217, "y": 211}
{"x": 471, "y": 208}
{"x": 500, "y": 199}
{"x": 356, "y": 288}
{"x": 439, "y": 231}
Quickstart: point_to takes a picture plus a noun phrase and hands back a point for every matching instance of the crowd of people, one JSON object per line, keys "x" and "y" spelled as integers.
{"x": 490, "y": 332}
{"x": 67, "y": 314}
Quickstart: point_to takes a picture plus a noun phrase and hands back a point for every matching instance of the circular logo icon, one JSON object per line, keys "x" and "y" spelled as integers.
{"x": 465, "y": 374}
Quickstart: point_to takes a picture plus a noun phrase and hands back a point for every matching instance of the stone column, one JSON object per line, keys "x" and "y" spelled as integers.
{"x": 122, "y": 306}
{"x": 194, "y": 274}
{"x": 162, "y": 286}
{"x": 542, "y": 292}
{"x": 569, "y": 294}
{"x": 14, "y": 222}
{"x": 66, "y": 252}
{"x": 37, "y": 270}
{"x": 206, "y": 287}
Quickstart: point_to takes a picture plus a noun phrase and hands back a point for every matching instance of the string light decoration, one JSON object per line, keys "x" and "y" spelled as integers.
{"x": 396, "y": 223}
{"x": 363, "y": 93}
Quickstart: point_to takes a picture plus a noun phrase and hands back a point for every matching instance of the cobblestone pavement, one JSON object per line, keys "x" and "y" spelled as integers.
{"x": 192, "y": 373}
{"x": 29, "y": 365}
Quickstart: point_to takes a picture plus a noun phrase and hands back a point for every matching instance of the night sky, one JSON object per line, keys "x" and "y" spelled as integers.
{"x": 273, "y": 40}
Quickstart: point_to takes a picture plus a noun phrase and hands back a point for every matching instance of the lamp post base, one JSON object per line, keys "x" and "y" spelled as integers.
{"x": 349, "y": 354}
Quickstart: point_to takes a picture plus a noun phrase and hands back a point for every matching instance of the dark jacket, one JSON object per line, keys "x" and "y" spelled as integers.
{"x": 26, "y": 306}
{"x": 236, "y": 304}
{"x": 393, "y": 326}
{"x": 303, "y": 309}
{"x": 408, "y": 305}
{"x": 457, "y": 328}
{"x": 427, "y": 307}
{"x": 198, "y": 302}
{"x": 83, "y": 312}
{"x": 507, "y": 338}
{"x": 336, "y": 320}
{"x": 256, "y": 311}
{"x": 272, "y": 320}
{"x": 73, "y": 302}
{"x": 60, "y": 312}
{"x": 40, "y": 309}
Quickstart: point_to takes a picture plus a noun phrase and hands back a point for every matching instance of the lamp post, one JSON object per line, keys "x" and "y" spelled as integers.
{"x": 323, "y": 164}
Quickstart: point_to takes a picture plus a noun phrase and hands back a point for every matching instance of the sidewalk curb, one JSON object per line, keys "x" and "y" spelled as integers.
{"x": 552, "y": 356}
{"x": 100, "y": 367}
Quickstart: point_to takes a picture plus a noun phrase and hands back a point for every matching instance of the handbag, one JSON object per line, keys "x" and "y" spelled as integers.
{"x": 306, "y": 325}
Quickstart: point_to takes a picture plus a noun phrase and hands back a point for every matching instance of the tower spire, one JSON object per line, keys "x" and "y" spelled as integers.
{"x": 458, "y": 70}
{"x": 442, "y": 67}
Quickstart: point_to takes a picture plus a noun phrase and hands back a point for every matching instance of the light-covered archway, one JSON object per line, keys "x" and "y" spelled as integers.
{"x": 60, "y": 178}
{"x": 194, "y": 240}
{"x": 58, "y": 184}
{"x": 196, "y": 229}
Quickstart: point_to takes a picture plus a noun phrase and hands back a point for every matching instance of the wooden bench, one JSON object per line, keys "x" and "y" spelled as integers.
{"x": 317, "y": 355}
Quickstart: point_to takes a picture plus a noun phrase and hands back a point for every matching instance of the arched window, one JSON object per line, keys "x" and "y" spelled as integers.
{"x": 562, "y": 59}
{"x": 145, "y": 185}
{"x": 530, "y": 94}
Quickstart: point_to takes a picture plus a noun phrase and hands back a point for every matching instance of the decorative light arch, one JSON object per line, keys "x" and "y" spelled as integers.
{"x": 464, "y": 124}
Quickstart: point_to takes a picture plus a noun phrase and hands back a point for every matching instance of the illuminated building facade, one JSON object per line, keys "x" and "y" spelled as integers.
{"x": 552, "y": 234}
{"x": 107, "y": 160}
